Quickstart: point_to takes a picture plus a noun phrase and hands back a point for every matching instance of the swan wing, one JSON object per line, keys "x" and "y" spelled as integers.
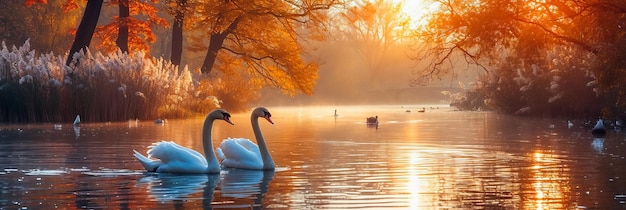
{"x": 240, "y": 149}
{"x": 248, "y": 145}
{"x": 192, "y": 152}
{"x": 241, "y": 153}
{"x": 171, "y": 153}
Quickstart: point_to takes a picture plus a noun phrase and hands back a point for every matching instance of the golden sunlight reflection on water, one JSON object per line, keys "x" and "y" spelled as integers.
{"x": 439, "y": 159}
{"x": 415, "y": 186}
{"x": 549, "y": 182}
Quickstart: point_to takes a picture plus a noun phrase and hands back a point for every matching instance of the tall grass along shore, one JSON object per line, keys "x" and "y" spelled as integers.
{"x": 113, "y": 87}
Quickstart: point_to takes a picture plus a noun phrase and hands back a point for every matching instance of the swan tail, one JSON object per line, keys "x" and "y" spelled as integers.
{"x": 147, "y": 163}
{"x": 220, "y": 154}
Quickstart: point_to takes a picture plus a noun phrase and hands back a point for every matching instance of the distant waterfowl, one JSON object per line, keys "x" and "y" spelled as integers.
{"x": 570, "y": 124}
{"x": 372, "y": 120}
{"x": 160, "y": 121}
{"x": 173, "y": 158}
{"x": 422, "y": 110}
{"x": 245, "y": 154}
{"x": 77, "y": 120}
{"x": 618, "y": 125}
{"x": 408, "y": 110}
{"x": 599, "y": 129}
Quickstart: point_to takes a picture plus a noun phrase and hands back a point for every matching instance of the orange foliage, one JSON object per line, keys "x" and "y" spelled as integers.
{"x": 535, "y": 42}
{"x": 29, "y": 3}
{"x": 234, "y": 89}
{"x": 266, "y": 38}
{"x": 70, "y": 5}
{"x": 140, "y": 32}
{"x": 277, "y": 61}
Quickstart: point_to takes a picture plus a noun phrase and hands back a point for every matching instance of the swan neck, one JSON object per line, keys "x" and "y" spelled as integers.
{"x": 268, "y": 163}
{"x": 207, "y": 144}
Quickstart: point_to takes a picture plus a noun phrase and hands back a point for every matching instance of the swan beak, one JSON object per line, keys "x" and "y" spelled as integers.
{"x": 227, "y": 119}
{"x": 267, "y": 117}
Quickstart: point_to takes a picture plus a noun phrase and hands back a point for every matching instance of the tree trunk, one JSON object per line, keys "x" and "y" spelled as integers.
{"x": 177, "y": 33}
{"x": 122, "y": 35}
{"x": 215, "y": 44}
{"x": 86, "y": 28}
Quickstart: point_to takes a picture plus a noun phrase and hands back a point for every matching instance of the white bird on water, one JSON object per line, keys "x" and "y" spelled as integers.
{"x": 599, "y": 129}
{"x": 243, "y": 153}
{"x": 77, "y": 120}
{"x": 173, "y": 158}
{"x": 570, "y": 124}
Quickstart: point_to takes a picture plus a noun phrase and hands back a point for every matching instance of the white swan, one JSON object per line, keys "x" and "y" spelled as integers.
{"x": 173, "y": 158}
{"x": 243, "y": 153}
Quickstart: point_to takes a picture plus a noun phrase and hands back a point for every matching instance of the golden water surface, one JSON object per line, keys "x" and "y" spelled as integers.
{"x": 437, "y": 159}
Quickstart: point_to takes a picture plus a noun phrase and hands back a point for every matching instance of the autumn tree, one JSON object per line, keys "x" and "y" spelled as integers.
{"x": 482, "y": 32}
{"x": 265, "y": 36}
{"x": 373, "y": 26}
{"x": 134, "y": 38}
{"x": 523, "y": 35}
{"x": 131, "y": 29}
{"x": 608, "y": 42}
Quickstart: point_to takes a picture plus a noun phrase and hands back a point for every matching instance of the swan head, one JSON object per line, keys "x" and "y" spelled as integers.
{"x": 221, "y": 114}
{"x": 262, "y": 112}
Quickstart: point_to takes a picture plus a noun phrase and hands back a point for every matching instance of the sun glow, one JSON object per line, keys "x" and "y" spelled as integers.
{"x": 417, "y": 11}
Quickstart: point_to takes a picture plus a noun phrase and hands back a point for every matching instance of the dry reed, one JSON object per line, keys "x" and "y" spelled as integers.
{"x": 112, "y": 87}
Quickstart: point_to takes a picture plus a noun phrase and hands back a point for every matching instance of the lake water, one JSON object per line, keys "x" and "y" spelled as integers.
{"x": 439, "y": 159}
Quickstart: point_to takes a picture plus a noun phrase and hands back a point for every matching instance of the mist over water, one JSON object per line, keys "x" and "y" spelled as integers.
{"x": 412, "y": 160}
{"x": 346, "y": 79}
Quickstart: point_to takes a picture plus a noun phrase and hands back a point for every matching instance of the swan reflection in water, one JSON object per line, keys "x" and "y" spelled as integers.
{"x": 234, "y": 187}
{"x": 76, "y": 131}
{"x": 237, "y": 186}
{"x": 167, "y": 187}
{"x": 598, "y": 145}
